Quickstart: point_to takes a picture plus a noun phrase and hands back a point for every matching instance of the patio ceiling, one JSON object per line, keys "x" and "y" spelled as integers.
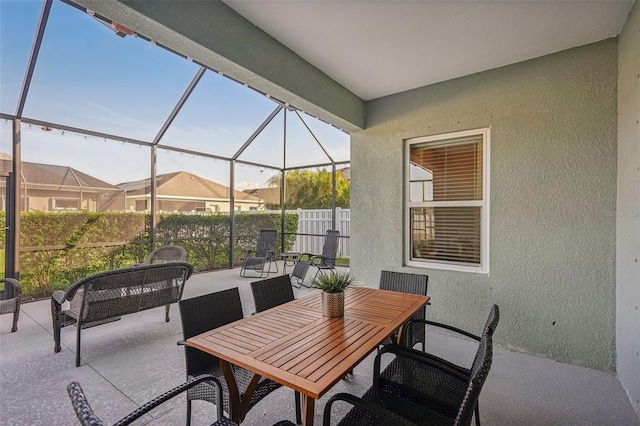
{"x": 377, "y": 48}
{"x": 329, "y": 58}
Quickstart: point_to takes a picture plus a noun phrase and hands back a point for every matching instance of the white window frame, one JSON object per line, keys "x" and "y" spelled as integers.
{"x": 483, "y": 267}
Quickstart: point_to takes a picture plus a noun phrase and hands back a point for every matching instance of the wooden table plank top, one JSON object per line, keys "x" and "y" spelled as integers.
{"x": 293, "y": 344}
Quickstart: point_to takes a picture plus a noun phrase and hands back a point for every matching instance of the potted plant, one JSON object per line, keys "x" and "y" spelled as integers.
{"x": 332, "y": 286}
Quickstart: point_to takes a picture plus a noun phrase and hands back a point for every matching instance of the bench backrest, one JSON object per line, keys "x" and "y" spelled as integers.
{"x": 125, "y": 291}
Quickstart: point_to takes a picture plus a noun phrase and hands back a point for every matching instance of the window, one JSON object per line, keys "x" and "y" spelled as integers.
{"x": 65, "y": 204}
{"x": 447, "y": 212}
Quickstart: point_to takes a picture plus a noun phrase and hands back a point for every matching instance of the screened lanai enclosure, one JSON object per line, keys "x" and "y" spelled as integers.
{"x": 112, "y": 144}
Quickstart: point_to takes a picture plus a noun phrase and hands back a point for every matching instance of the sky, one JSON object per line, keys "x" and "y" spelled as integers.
{"x": 88, "y": 77}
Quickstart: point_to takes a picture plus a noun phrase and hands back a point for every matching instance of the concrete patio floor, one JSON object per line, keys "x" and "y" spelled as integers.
{"x": 128, "y": 362}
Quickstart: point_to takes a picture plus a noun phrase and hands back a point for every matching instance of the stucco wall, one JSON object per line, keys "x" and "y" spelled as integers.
{"x": 553, "y": 195}
{"x": 628, "y": 213}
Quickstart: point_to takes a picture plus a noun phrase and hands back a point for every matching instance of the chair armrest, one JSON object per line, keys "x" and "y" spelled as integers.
{"x": 440, "y": 325}
{"x": 433, "y": 361}
{"x": 318, "y": 260}
{"x": 86, "y": 414}
{"x": 388, "y": 417}
{"x": 58, "y": 297}
{"x": 169, "y": 395}
{"x": 17, "y": 288}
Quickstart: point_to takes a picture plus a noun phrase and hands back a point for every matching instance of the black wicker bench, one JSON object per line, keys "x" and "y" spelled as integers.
{"x": 102, "y": 297}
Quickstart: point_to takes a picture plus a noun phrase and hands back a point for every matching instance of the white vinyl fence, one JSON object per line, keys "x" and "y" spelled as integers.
{"x": 317, "y": 222}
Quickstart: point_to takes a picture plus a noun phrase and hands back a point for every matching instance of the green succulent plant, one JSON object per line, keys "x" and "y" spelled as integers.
{"x": 333, "y": 282}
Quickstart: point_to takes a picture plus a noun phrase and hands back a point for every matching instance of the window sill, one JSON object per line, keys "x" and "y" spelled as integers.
{"x": 448, "y": 266}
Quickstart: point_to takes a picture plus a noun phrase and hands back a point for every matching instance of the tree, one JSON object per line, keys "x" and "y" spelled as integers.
{"x": 308, "y": 189}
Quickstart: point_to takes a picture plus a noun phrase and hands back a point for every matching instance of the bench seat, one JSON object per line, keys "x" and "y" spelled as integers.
{"x": 106, "y": 296}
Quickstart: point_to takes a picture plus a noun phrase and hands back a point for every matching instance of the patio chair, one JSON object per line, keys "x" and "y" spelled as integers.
{"x": 165, "y": 254}
{"x": 269, "y": 293}
{"x": 87, "y": 416}
{"x": 489, "y": 328}
{"x": 407, "y": 283}
{"x": 257, "y": 260}
{"x": 201, "y": 314}
{"x": 417, "y": 389}
{"x": 11, "y": 305}
{"x": 327, "y": 260}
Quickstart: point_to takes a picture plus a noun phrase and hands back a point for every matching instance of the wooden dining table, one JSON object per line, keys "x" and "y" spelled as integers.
{"x": 295, "y": 345}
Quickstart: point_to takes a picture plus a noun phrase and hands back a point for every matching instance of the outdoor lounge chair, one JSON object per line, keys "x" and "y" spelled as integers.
{"x": 201, "y": 314}
{"x": 11, "y": 305}
{"x": 87, "y": 416}
{"x": 327, "y": 260}
{"x": 257, "y": 260}
{"x": 417, "y": 389}
{"x": 408, "y": 283}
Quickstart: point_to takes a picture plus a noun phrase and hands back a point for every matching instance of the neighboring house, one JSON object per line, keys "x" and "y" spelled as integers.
{"x": 47, "y": 188}
{"x": 186, "y": 192}
{"x": 346, "y": 173}
{"x": 271, "y": 196}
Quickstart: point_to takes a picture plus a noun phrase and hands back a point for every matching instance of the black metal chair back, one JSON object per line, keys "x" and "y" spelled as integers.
{"x": 267, "y": 240}
{"x": 330, "y": 249}
{"x": 264, "y": 254}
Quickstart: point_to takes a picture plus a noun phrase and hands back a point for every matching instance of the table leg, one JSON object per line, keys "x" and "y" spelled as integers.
{"x": 308, "y": 409}
{"x": 238, "y": 404}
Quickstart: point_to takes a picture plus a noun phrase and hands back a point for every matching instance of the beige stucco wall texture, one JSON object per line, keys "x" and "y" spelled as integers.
{"x": 628, "y": 213}
{"x": 552, "y": 199}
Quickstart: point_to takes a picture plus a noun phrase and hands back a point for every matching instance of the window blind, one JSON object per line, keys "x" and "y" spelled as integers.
{"x": 446, "y": 219}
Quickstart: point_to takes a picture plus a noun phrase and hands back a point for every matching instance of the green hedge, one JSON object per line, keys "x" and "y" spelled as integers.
{"x": 57, "y": 249}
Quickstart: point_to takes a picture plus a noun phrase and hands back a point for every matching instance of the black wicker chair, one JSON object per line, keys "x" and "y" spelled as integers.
{"x": 417, "y": 389}
{"x": 12, "y": 304}
{"x": 257, "y": 260}
{"x": 269, "y": 293}
{"x": 489, "y": 328}
{"x": 87, "y": 416}
{"x": 166, "y": 254}
{"x": 201, "y": 314}
{"x": 408, "y": 283}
